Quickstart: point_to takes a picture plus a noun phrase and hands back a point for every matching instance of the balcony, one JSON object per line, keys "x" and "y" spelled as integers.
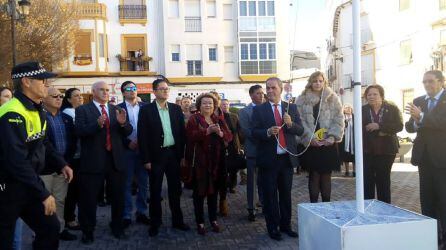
{"x": 192, "y": 24}
{"x": 91, "y": 11}
{"x": 133, "y": 14}
{"x": 134, "y": 65}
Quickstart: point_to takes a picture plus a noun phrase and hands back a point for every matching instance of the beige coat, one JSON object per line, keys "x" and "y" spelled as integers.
{"x": 331, "y": 116}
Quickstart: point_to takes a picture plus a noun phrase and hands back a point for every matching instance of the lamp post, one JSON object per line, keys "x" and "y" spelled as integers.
{"x": 16, "y": 11}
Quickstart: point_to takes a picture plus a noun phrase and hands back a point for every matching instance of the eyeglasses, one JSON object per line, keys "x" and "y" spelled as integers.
{"x": 57, "y": 96}
{"x": 130, "y": 89}
{"x": 429, "y": 81}
{"x": 162, "y": 89}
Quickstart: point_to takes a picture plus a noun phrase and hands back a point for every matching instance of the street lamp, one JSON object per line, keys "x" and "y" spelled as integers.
{"x": 17, "y": 10}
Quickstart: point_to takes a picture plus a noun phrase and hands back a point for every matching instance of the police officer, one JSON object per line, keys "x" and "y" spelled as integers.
{"x": 23, "y": 150}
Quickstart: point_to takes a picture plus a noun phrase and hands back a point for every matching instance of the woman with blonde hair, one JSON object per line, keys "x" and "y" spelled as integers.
{"x": 323, "y": 121}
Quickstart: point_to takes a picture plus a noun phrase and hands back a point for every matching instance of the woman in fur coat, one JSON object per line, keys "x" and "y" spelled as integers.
{"x": 320, "y": 103}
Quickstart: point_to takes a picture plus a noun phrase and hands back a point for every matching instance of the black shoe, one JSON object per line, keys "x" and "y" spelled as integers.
{"x": 182, "y": 227}
{"x": 87, "y": 238}
{"x": 67, "y": 236}
{"x": 143, "y": 219}
{"x": 153, "y": 231}
{"x": 290, "y": 233}
{"x": 73, "y": 225}
{"x": 275, "y": 235}
{"x": 126, "y": 223}
{"x": 119, "y": 234}
{"x": 251, "y": 216}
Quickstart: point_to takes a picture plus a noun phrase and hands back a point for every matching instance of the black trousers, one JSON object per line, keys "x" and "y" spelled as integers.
{"x": 433, "y": 192}
{"x": 32, "y": 213}
{"x": 199, "y": 207}
{"x": 169, "y": 165}
{"x": 276, "y": 183}
{"x": 90, "y": 185}
{"x": 72, "y": 198}
{"x": 377, "y": 170}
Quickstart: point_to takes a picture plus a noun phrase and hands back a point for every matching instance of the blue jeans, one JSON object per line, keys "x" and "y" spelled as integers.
{"x": 135, "y": 168}
{"x": 17, "y": 244}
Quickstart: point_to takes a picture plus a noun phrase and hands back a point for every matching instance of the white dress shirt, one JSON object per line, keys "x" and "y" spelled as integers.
{"x": 98, "y": 106}
{"x": 133, "y": 111}
{"x": 280, "y": 150}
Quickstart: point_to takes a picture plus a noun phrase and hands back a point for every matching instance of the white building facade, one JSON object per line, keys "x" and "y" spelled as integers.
{"x": 199, "y": 45}
{"x": 401, "y": 39}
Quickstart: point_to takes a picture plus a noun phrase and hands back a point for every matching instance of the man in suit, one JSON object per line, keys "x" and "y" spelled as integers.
{"x": 275, "y": 126}
{"x": 245, "y": 119}
{"x": 161, "y": 138}
{"x": 428, "y": 120}
{"x": 101, "y": 128}
{"x": 133, "y": 159}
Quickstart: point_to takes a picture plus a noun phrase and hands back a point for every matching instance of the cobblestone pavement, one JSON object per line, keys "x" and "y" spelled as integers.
{"x": 238, "y": 233}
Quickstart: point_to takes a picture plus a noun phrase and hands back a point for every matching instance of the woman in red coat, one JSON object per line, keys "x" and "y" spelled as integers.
{"x": 207, "y": 136}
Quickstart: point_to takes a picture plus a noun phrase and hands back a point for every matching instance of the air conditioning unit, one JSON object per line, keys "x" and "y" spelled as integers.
{"x": 368, "y": 45}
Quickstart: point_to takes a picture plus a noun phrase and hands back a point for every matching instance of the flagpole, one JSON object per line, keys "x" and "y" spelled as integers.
{"x": 358, "y": 105}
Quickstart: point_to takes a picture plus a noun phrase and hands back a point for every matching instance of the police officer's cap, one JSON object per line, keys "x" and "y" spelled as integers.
{"x": 32, "y": 70}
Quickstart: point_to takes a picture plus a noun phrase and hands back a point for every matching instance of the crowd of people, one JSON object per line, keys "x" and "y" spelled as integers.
{"x": 58, "y": 154}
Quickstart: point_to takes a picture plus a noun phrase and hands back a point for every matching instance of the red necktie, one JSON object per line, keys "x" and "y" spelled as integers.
{"x": 108, "y": 144}
{"x": 279, "y": 123}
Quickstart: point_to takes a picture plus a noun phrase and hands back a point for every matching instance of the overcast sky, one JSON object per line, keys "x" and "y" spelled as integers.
{"x": 310, "y": 24}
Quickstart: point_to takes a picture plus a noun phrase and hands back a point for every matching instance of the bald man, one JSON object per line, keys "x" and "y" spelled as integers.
{"x": 60, "y": 134}
{"x": 102, "y": 129}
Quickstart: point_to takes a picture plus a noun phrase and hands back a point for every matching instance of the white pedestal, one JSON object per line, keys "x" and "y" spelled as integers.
{"x": 337, "y": 225}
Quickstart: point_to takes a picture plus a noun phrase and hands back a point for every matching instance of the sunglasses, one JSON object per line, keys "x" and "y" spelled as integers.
{"x": 130, "y": 89}
{"x": 57, "y": 96}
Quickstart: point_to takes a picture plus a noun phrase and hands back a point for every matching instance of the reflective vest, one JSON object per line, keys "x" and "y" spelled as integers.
{"x": 34, "y": 128}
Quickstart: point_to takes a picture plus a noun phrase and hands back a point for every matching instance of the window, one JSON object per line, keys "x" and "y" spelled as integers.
{"x": 249, "y": 67}
{"x": 227, "y": 11}
{"x": 408, "y": 96}
{"x": 443, "y": 37}
{"x": 212, "y": 52}
{"x": 244, "y": 51}
{"x": 211, "y": 8}
{"x": 82, "y": 47}
{"x": 262, "y": 8}
{"x": 194, "y": 68}
{"x": 406, "y": 52}
{"x": 262, "y": 51}
{"x": 253, "y": 51}
{"x": 175, "y": 50}
{"x": 101, "y": 45}
{"x": 243, "y": 8}
{"x": 442, "y": 4}
{"x": 192, "y": 8}
{"x": 272, "y": 50}
{"x": 174, "y": 11}
{"x": 404, "y": 4}
{"x": 267, "y": 67}
{"x": 229, "y": 54}
{"x": 252, "y": 8}
{"x": 271, "y": 8}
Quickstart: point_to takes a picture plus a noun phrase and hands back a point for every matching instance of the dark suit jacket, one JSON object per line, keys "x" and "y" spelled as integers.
{"x": 392, "y": 123}
{"x": 126, "y": 141}
{"x": 151, "y": 134}
{"x": 263, "y": 119}
{"x": 431, "y": 134}
{"x": 93, "y": 138}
